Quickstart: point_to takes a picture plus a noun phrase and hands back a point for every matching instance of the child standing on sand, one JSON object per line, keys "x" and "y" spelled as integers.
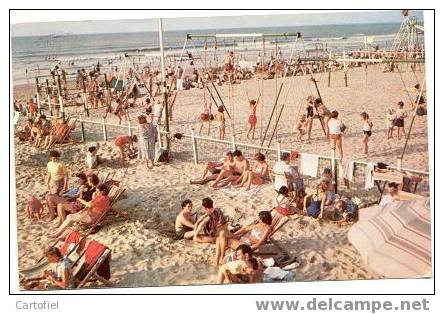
{"x": 367, "y": 129}
{"x": 300, "y": 127}
{"x": 390, "y": 122}
{"x": 220, "y": 118}
{"x": 252, "y": 119}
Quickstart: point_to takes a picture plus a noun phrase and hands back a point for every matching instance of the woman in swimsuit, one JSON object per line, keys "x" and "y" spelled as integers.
{"x": 367, "y": 129}
{"x": 252, "y": 119}
{"x": 253, "y": 235}
{"x": 185, "y": 221}
{"x": 257, "y": 174}
{"x": 318, "y": 199}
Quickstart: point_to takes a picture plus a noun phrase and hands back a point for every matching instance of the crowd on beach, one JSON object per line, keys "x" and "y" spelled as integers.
{"x": 236, "y": 248}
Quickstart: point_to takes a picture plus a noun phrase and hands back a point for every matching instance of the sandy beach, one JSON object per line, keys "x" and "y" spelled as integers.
{"x": 141, "y": 253}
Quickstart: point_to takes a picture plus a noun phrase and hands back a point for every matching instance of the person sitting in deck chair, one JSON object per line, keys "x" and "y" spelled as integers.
{"x": 60, "y": 277}
{"x": 254, "y": 235}
{"x": 94, "y": 210}
{"x": 56, "y": 133}
{"x": 214, "y": 168}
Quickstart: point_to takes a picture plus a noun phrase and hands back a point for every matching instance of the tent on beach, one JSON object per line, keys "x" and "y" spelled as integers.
{"x": 395, "y": 239}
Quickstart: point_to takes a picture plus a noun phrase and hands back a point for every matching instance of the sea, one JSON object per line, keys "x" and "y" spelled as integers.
{"x": 35, "y": 55}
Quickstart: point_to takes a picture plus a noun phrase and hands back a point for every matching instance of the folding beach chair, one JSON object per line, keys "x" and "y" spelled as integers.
{"x": 93, "y": 265}
{"x": 277, "y": 223}
{"x": 73, "y": 242}
{"x": 63, "y": 136}
{"x": 115, "y": 193}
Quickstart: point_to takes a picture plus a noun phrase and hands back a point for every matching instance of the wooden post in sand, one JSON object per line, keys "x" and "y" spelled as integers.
{"x": 279, "y": 150}
{"x": 59, "y": 93}
{"x": 329, "y": 70}
{"x": 130, "y": 132}
{"x": 37, "y": 89}
{"x": 233, "y": 143}
{"x": 333, "y": 169}
{"x": 193, "y": 141}
{"x": 105, "y": 137}
{"x": 82, "y": 128}
{"x": 48, "y": 97}
{"x": 345, "y": 70}
{"x": 85, "y": 100}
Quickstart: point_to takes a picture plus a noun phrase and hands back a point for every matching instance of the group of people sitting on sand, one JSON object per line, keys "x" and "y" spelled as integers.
{"x": 236, "y": 170}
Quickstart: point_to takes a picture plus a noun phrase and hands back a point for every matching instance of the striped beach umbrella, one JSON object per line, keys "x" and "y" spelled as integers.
{"x": 395, "y": 239}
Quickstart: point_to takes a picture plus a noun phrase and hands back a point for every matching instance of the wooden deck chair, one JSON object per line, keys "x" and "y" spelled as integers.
{"x": 115, "y": 193}
{"x": 91, "y": 264}
{"x": 277, "y": 223}
{"x": 73, "y": 242}
{"x": 61, "y": 138}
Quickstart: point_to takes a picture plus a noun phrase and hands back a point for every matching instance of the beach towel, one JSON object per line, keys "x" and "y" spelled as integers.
{"x": 309, "y": 165}
{"x": 369, "y": 181}
{"x": 346, "y": 170}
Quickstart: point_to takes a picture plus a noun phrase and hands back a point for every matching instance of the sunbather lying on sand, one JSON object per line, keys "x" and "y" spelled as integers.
{"x": 253, "y": 235}
{"x": 210, "y": 224}
{"x": 185, "y": 221}
{"x": 94, "y": 209}
{"x": 213, "y": 169}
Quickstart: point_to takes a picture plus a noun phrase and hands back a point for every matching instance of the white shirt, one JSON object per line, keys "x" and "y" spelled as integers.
{"x": 334, "y": 126}
{"x": 280, "y": 168}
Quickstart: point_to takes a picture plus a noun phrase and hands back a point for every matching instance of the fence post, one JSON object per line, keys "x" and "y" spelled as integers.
{"x": 159, "y": 136}
{"x": 279, "y": 150}
{"x": 233, "y": 143}
{"x": 104, "y": 130}
{"x": 48, "y": 96}
{"x": 82, "y": 128}
{"x": 129, "y": 129}
{"x": 37, "y": 96}
{"x": 333, "y": 170}
{"x": 193, "y": 141}
{"x": 59, "y": 93}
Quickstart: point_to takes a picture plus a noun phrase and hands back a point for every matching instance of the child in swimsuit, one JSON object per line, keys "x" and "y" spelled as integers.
{"x": 220, "y": 118}
{"x": 301, "y": 128}
{"x": 252, "y": 119}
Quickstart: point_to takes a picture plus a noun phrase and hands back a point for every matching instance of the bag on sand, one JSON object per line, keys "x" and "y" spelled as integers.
{"x": 162, "y": 155}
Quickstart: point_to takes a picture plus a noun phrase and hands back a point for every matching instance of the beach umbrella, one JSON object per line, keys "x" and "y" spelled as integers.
{"x": 395, "y": 239}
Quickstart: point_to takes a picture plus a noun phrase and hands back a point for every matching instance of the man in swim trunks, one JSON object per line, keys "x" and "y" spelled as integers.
{"x": 185, "y": 221}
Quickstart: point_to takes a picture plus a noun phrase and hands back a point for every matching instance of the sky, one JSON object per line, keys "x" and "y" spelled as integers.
{"x": 88, "y": 22}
